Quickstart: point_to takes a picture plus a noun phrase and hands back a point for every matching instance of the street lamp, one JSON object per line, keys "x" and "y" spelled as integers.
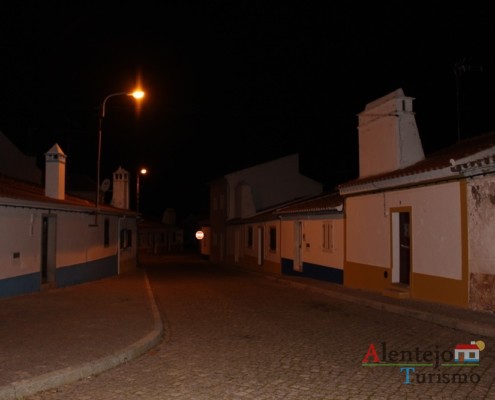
{"x": 142, "y": 171}
{"x": 137, "y": 94}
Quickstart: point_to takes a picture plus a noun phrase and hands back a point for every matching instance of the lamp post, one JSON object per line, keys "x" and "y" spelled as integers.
{"x": 142, "y": 171}
{"x": 137, "y": 94}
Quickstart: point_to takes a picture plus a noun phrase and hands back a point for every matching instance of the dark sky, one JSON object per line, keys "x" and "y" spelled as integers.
{"x": 232, "y": 84}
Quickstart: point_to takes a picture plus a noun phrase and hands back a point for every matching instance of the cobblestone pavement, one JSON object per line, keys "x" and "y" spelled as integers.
{"x": 233, "y": 335}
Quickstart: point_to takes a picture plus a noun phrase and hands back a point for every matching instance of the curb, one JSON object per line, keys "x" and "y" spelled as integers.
{"x": 487, "y": 330}
{"x": 31, "y": 386}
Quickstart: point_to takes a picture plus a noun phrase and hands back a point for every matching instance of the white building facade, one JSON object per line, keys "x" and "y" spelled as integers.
{"x": 50, "y": 239}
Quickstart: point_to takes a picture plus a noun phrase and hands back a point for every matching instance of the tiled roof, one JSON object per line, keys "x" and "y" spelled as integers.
{"x": 436, "y": 161}
{"x": 330, "y": 202}
{"x": 322, "y": 203}
{"x": 260, "y": 217}
{"x": 22, "y": 191}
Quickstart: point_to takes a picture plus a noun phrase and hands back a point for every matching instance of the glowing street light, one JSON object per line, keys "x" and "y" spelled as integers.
{"x": 138, "y": 95}
{"x": 142, "y": 171}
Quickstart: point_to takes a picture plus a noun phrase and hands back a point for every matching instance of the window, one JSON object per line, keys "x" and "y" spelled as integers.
{"x": 273, "y": 238}
{"x": 250, "y": 237}
{"x": 106, "y": 234}
{"x": 328, "y": 244}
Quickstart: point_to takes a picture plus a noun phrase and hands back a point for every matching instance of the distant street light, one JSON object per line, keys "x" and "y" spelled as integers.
{"x": 137, "y": 94}
{"x": 142, "y": 171}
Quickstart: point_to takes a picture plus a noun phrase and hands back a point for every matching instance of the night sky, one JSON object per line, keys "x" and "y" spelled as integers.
{"x": 232, "y": 84}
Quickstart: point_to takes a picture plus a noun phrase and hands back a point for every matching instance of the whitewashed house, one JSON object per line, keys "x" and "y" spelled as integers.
{"x": 254, "y": 242}
{"x": 51, "y": 239}
{"x": 303, "y": 237}
{"x": 252, "y": 193}
{"x": 312, "y": 238}
{"x": 416, "y": 226}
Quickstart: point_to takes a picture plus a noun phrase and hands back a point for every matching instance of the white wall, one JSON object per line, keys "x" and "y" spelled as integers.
{"x": 287, "y": 239}
{"x": 86, "y": 244}
{"x": 312, "y": 231}
{"x": 368, "y": 230}
{"x": 115, "y": 228}
{"x": 21, "y": 234}
{"x": 237, "y": 236}
{"x": 435, "y": 224}
{"x": 76, "y": 241}
{"x": 271, "y": 183}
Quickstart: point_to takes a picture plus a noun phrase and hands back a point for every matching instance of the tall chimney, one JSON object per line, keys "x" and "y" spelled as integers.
{"x": 388, "y": 135}
{"x": 55, "y": 173}
{"x": 120, "y": 195}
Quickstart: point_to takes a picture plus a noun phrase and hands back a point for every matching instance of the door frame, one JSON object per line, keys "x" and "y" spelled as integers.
{"x": 298, "y": 243}
{"x": 401, "y": 245}
{"x": 261, "y": 244}
{"x": 48, "y": 249}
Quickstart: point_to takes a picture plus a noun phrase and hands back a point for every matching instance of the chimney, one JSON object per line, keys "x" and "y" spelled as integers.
{"x": 388, "y": 135}
{"x": 55, "y": 173}
{"x": 120, "y": 195}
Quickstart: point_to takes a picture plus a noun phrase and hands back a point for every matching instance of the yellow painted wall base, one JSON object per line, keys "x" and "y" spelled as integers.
{"x": 423, "y": 287}
{"x": 440, "y": 290}
{"x": 361, "y": 276}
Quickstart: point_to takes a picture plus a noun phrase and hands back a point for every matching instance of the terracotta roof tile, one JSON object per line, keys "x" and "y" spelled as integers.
{"x": 14, "y": 189}
{"x": 324, "y": 203}
{"x": 435, "y": 161}
{"x": 20, "y": 190}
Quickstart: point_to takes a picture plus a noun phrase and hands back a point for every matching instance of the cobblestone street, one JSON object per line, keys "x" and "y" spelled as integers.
{"x": 234, "y": 335}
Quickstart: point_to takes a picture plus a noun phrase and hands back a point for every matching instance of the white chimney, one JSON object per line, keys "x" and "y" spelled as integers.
{"x": 120, "y": 194}
{"x": 388, "y": 135}
{"x": 55, "y": 173}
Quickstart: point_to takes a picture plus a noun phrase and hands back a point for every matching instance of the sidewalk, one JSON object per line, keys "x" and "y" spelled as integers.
{"x": 475, "y": 322}
{"x": 55, "y": 337}
{"x": 58, "y": 336}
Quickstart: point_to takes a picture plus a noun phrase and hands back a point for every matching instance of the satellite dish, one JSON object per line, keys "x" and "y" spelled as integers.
{"x": 105, "y": 185}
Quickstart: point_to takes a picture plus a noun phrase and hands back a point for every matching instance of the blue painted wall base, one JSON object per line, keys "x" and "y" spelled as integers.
{"x": 20, "y": 285}
{"x": 87, "y": 272}
{"x": 314, "y": 271}
{"x": 65, "y": 276}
